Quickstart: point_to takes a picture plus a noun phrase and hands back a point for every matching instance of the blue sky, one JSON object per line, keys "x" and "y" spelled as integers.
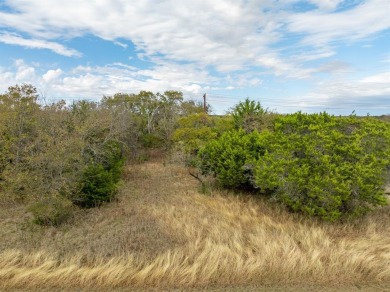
{"x": 290, "y": 55}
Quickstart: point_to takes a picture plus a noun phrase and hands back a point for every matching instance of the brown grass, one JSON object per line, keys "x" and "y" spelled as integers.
{"x": 163, "y": 233}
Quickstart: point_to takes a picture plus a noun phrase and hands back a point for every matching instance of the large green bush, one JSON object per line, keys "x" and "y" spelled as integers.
{"x": 326, "y": 166}
{"x": 318, "y": 164}
{"x": 228, "y": 157}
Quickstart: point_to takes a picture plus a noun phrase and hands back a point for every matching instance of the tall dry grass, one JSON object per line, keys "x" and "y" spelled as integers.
{"x": 193, "y": 240}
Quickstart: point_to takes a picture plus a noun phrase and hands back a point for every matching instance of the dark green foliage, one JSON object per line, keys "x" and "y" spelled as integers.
{"x": 229, "y": 157}
{"x": 114, "y": 160}
{"x": 100, "y": 178}
{"x": 321, "y": 165}
{"x": 98, "y": 186}
{"x": 151, "y": 141}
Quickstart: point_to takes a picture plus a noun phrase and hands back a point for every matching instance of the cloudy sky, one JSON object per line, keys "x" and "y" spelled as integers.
{"x": 290, "y": 55}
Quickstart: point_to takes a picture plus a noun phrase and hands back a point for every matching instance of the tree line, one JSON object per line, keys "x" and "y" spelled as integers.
{"x": 58, "y": 157}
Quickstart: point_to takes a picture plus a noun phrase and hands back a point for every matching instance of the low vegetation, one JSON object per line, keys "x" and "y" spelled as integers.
{"x": 161, "y": 232}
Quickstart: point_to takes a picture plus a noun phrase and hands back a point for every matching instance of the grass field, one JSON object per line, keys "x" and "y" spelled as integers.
{"x": 161, "y": 233}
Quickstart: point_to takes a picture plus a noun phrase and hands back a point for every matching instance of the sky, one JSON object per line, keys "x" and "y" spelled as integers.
{"x": 310, "y": 56}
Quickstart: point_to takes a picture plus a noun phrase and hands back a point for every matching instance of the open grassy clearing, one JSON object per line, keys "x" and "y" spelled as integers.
{"x": 162, "y": 233}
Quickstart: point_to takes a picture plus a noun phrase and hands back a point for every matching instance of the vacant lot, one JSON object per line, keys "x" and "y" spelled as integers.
{"x": 161, "y": 233}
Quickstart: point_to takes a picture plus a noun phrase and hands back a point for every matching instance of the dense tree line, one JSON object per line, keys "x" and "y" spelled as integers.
{"x": 58, "y": 157}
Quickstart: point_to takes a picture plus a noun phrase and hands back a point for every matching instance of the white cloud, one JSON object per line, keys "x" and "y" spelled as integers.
{"x": 229, "y": 35}
{"x": 326, "y": 4}
{"x": 363, "y": 95}
{"x": 312, "y": 55}
{"x": 359, "y": 22}
{"x": 14, "y": 39}
{"x": 90, "y": 83}
{"x": 334, "y": 67}
{"x": 24, "y": 72}
{"x": 383, "y": 78}
{"x": 241, "y": 41}
{"x": 20, "y": 73}
{"x": 96, "y": 81}
{"x": 377, "y": 85}
{"x": 121, "y": 44}
{"x": 52, "y": 75}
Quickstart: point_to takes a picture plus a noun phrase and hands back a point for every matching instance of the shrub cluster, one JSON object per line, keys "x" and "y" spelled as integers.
{"x": 57, "y": 154}
{"x": 321, "y": 165}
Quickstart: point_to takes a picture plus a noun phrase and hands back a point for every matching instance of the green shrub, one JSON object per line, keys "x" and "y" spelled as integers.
{"x": 228, "y": 157}
{"x": 326, "y": 166}
{"x": 100, "y": 178}
{"x": 112, "y": 159}
{"x": 51, "y": 211}
{"x": 98, "y": 186}
{"x": 318, "y": 164}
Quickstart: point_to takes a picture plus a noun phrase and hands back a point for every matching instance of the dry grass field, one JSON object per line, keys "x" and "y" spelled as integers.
{"x": 163, "y": 234}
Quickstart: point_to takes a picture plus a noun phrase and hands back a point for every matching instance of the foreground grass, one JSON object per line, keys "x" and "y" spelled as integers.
{"x": 162, "y": 233}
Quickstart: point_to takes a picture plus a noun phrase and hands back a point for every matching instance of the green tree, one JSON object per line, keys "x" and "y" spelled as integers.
{"x": 153, "y": 116}
{"x": 19, "y": 110}
{"x": 249, "y": 115}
